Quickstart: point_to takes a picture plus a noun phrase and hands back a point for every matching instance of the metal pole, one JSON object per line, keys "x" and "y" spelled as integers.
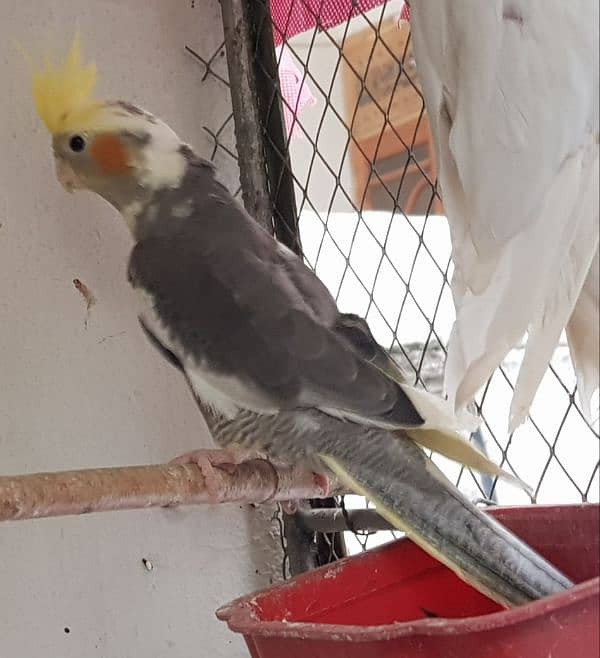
{"x": 336, "y": 520}
{"x": 268, "y": 93}
{"x": 239, "y": 42}
{"x": 65, "y": 493}
{"x": 265, "y": 173}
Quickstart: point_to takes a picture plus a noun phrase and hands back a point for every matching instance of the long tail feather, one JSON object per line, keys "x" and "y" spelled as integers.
{"x": 441, "y": 432}
{"x": 413, "y": 495}
{"x": 453, "y": 446}
{"x": 436, "y": 436}
{"x": 409, "y": 491}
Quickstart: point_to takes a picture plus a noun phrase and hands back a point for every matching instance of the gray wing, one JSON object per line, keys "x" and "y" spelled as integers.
{"x": 258, "y": 322}
{"x": 357, "y": 331}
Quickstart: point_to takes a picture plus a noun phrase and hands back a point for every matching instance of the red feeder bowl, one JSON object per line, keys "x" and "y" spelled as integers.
{"x": 398, "y": 602}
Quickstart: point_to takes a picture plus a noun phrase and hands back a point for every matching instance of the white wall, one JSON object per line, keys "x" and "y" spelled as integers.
{"x": 77, "y": 394}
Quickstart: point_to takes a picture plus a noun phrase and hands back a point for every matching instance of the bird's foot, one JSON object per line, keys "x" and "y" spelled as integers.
{"x": 209, "y": 460}
{"x": 228, "y": 459}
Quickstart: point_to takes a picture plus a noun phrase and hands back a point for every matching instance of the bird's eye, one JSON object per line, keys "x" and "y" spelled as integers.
{"x": 77, "y": 143}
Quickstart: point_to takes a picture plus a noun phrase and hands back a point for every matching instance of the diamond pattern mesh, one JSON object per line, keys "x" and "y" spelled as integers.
{"x": 370, "y": 225}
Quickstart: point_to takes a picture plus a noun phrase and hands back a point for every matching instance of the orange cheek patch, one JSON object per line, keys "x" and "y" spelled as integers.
{"x": 110, "y": 154}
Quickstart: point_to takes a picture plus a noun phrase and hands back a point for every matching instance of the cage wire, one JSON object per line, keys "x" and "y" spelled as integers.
{"x": 351, "y": 180}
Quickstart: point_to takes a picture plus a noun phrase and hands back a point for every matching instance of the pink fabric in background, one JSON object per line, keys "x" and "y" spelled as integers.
{"x": 290, "y": 17}
{"x": 295, "y": 91}
{"x": 405, "y": 13}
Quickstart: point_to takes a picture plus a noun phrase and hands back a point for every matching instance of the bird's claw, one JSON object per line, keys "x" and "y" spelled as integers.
{"x": 208, "y": 461}
{"x": 228, "y": 459}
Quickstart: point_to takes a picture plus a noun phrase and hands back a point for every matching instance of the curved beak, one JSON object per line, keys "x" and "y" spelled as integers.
{"x": 66, "y": 176}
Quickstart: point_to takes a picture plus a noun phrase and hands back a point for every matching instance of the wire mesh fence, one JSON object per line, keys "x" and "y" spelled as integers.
{"x": 352, "y": 182}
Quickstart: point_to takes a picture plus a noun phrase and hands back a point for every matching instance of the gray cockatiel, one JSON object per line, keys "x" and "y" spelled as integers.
{"x": 272, "y": 363}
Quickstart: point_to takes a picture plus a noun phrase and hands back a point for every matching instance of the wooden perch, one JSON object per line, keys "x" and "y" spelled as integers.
{"x": 138, "y": 487}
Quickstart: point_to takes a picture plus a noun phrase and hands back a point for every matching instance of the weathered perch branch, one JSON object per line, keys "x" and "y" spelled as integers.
{"x": 139, "y": 487}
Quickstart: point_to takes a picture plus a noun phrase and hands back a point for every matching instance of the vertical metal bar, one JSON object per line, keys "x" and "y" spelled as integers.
{"x": 248, "y": 126}
{"x": 265, "y": 173}
{"x": 279, "y": 168}
{"x": 265, "y": 169}
{"x": 300, "y": 547}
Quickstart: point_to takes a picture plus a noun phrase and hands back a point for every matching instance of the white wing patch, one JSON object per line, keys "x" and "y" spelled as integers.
{"x": 438, "y": 413}
{"x": 210, "y": 395}
{"x": 226, "y": 395}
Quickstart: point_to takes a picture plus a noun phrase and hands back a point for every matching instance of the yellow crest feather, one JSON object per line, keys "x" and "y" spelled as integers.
{"x": 63, "y": 93}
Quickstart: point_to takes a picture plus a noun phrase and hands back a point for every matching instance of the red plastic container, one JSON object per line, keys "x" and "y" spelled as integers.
{"x": 398, "y": 602}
